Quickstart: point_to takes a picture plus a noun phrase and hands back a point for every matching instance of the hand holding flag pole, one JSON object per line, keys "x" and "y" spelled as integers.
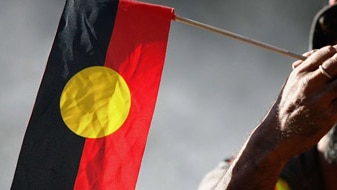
{"x": 120, "y": 50}
{"x": 237, "y": 37}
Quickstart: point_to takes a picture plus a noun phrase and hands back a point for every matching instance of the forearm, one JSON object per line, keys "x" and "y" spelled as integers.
{"x": 260, "y": 161}
{"x": 304, "y": 112}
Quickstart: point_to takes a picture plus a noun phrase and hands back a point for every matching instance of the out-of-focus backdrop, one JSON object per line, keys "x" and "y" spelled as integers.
{"x": 214, "y": 90}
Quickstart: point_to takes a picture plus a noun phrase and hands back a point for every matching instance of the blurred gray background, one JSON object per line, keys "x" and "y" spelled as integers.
{"x": 214, "y": 90}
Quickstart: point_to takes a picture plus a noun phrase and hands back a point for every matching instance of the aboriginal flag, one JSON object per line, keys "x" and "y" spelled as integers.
{"x": 91, "y": 118}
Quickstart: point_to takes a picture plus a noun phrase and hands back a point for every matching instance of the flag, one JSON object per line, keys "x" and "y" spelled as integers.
{"x": 93, "y": 110}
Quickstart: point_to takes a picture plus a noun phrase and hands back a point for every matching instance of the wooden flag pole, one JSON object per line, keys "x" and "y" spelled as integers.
{"x": 237, "y": 37}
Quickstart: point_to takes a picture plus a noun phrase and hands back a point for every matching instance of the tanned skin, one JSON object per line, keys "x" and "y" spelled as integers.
{"x": 305, "y": 110}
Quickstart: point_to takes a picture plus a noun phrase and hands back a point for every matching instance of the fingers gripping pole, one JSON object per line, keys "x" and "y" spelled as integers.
{"x": 237, "y": 37}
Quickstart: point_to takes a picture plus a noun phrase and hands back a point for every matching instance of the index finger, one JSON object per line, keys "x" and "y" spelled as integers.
{"x": 317, "y": 58}
{"x": 306, "y": 54}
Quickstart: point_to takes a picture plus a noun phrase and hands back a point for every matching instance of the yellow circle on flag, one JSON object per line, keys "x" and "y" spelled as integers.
{"x": 95, "y": 102}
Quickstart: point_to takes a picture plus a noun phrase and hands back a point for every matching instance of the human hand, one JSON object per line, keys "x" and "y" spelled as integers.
{"x": 304, "y": 112}
{"x": 307, "y": 106}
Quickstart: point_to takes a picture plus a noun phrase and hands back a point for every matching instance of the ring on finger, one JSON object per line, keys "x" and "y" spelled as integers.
{"x": 324, "y": 72}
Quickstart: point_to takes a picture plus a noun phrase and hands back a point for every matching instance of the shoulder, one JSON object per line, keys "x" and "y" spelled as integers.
{"x": 213, "y": 177}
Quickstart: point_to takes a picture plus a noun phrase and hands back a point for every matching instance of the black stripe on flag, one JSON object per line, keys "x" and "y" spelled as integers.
{"x": 51, "y": 153}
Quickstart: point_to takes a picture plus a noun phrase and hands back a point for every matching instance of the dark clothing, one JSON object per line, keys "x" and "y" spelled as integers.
{"x": 303, "y": 172}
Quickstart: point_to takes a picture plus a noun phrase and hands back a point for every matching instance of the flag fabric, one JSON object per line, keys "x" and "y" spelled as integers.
{"x": 92, "y": 114}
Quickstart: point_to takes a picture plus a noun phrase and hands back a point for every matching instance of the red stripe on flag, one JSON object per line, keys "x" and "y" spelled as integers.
{"x": 137, "y": 52}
